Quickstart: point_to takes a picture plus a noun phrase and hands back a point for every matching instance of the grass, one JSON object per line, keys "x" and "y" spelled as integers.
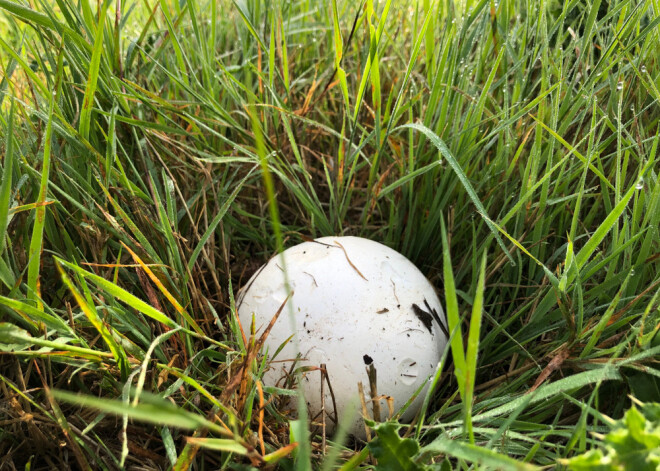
{"x": 155, "y": 154}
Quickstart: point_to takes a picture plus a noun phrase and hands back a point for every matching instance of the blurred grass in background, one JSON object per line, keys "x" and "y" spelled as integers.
{"x": 138, "y": 140}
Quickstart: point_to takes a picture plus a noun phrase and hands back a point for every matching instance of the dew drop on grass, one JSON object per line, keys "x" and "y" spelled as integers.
{"x": 640, "y": 184}
{"x": 643, "y": 69}
{"x": 619, "y": 86}
{"x": 632, "y": 272}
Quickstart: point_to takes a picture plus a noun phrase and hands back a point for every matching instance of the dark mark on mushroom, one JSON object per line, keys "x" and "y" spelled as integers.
{"x": 383, "y": 311}
{"x": 409, "y": 376}
{"x": 367, "y": 359}
{"x": 437, "y": 318}
{"x": 425, "y": 317}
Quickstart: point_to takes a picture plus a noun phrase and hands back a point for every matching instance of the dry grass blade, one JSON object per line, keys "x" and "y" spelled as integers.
{"x": 253, "y": 350}
{"x": 349, "y": 261}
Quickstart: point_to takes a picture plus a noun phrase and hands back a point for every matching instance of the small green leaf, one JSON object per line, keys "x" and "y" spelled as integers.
{"x": 393, "y": 452}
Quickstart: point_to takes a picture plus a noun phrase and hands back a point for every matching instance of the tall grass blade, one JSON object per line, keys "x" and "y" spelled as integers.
{"x": 36, "y": 241}
{"x": 473, "y": 348}
{"x": 93, "y": 74}
{"x": 7, "y": 177}
{"x": 453, "y": 317}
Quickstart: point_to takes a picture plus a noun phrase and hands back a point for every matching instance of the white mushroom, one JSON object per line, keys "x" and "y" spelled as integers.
{"x": 355, "y": 303}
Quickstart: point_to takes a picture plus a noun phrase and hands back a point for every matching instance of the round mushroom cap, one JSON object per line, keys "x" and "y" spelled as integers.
{"x": 356, "y": 304}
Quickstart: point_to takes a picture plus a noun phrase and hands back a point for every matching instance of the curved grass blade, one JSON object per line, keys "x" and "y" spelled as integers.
{"x": 476, "y": 454}
{"x": 576, "y": 381}
{"x": 249, "y": 25}
{"x": 11, "y": 334}
{"x": 121, "y": 294}
{"x": 33, "y": 315}
{"x": 90, "y": 312}
{"x": 444, "y": 150}
{"x": 161, "y": 412}
{"x": 179, "y": 308}
{"x": 605, "y": 227}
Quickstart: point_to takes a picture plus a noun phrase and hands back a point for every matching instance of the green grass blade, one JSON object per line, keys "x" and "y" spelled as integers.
{"x": 248, "y": 24}
{"x": 605, "y": 227}
{"x": 27, "y": 14}
{"x": 36, "y": 241}
{"x": 34, "y": 315}
{"x": 90, "y": 312}
{"x": 473, "y": 348}
{"x": 453, "y": 317}
{"x": 570, "y": 383}
{"x": 7, "y": 175}
{"x": 476, "y": 454}
{"x": 93, "y": 75}
{"x": 161, "y": 412}
{"x": 121, "y": 294}
{"x": 595, "y": 334}
{"x": 11, "y": 334}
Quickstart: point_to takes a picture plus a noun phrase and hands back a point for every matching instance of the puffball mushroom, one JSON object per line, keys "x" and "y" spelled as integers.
{"x": 355, "y": 303}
